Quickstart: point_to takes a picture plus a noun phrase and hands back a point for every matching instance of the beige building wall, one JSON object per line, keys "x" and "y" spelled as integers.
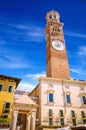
{"x": 59, "y": 89}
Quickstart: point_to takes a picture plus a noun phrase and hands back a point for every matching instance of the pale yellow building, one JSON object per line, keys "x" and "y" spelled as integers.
{"x": 61, "y": 101}
{"x": 8, "y": 85}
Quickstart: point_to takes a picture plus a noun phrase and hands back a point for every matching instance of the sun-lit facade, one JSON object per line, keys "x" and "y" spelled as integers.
{"x": 61, "y": 102}
{"x": 8, "y": 85}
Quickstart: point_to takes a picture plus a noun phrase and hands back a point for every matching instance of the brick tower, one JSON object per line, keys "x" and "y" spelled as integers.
{"x": 56, "y": 57}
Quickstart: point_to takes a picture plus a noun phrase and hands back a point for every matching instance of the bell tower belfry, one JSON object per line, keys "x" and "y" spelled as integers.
{"x": 56, "y": 57}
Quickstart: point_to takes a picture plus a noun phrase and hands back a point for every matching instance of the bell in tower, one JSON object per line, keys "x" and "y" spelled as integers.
{"x": 52, "y": 15}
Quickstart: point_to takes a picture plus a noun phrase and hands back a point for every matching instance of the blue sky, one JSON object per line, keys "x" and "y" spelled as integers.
{"x": 22, "y": 38}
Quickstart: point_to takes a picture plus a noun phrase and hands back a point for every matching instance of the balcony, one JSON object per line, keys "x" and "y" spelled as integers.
{"x": 54, "y": 123}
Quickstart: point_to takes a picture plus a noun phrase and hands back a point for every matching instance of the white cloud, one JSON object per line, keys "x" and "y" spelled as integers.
{"x": 36, "y": 75}
{"x": 77, "y": 71}
{"x": 21, "y": 27}
{"x": 37, "y": 35}
{"x": 68, "y": 33}
{"x": 26, "y": 33}
{"x": 29, "y": 85}
{"x": 9, "y": 61}
{"x": 82, "y": 51}
{"x": 32, "y": 81}
{"x": 26, "y": 86}
{"x": 13, "y": 65}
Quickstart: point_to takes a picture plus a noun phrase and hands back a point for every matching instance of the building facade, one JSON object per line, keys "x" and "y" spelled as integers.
{"x": 7, "y": 88}
{"x": 61, "y": 101}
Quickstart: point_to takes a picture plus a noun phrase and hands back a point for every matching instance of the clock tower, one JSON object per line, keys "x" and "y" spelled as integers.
{"x": 56, "y": 57}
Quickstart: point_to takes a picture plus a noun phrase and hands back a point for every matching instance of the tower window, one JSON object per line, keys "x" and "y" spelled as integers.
{"x": 68, "y": 99}
{"x": 1, "y": 87}
{"x": 50, "y": 17}
{"x": 54, "y": 16}
{"x": 50, "y": 97}
{"x": 10, "y": 89}
{"x": 58, "y": 30}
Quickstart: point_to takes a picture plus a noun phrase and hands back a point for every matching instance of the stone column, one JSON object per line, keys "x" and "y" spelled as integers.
{"x": 15, "y": 115}
{"x": 28, "y": 122}
{"x": 33, "y": 120}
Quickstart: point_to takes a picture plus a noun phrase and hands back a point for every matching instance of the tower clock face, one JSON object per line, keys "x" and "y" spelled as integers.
{"x": 58, "y": 45}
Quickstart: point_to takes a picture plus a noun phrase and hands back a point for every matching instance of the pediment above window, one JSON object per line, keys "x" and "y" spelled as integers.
{"x": 50, "y": 91}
